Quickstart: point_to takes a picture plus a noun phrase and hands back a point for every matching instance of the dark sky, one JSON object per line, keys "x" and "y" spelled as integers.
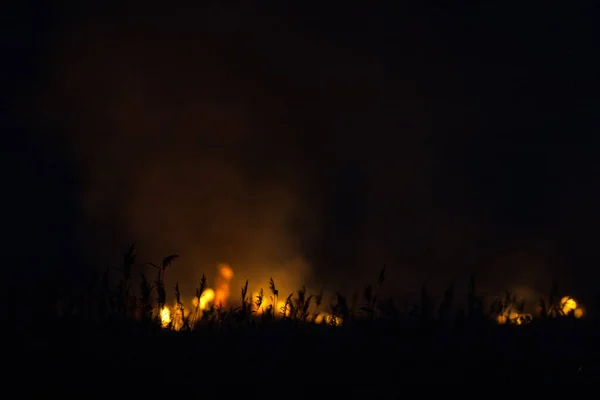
{"x": 315, "y": 144}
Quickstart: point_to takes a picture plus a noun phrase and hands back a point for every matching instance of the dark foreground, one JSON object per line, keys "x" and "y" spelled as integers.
{"x": 66, "y": 355}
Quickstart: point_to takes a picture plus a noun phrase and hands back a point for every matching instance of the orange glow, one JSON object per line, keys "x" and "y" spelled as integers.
{"x": 513, "y": 317}
{"x": 222, "y": 285}
{"x": 225, "y": 271}
{"x": 266, "y": 302}
{"x": 207, "y": 297}
{"x": 177, "y": 317}
{"x": 324, "y": 318}
{"x": 524, "y": 318}
{"x": 568, "y": 304}
{"x": 280, "y": 305}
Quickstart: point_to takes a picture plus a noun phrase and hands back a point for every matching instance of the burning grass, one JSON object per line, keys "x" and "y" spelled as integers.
{"x": 151, "y": 329}
{"x": 218, "y": 304}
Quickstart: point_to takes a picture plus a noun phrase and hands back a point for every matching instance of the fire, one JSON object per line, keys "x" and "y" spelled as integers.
{"x": 176, "y": 317}
{"x": 222, "y": 287}
{"x": 266, "y": 302}
{"x": 225, "y": 271}
{"x": 325, "y": 318}
{"x": 513, "y": 318}
{"x": 523, "y": 319}
{"x": 279, "y": 308}
{"x": 568, "y": 304}
{"x": 207, "y": 297}
{"x": 510, "y": 315}
{"x": 165, "y": 317}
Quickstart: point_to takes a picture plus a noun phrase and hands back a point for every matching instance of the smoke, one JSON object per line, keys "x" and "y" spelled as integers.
{"x": 283, "y": 154}
{"x": 180, "y": 150}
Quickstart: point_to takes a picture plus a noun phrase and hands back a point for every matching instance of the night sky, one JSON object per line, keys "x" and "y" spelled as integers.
{"x": 438, "y": 140}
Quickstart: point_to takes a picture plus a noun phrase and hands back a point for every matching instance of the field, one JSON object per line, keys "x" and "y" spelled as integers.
{"x": 111, "y": 337}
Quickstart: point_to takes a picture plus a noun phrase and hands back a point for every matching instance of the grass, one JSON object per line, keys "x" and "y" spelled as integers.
{"x": 361, "y": 338}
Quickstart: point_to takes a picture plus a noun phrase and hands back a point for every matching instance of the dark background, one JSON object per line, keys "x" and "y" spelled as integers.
{"x": 441, "y": 140}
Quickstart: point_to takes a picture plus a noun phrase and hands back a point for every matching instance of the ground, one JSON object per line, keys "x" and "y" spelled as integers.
{"x": 128, "y": 355}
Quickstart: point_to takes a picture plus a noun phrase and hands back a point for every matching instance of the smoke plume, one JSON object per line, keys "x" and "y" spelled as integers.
{"x": 281, "y": 153}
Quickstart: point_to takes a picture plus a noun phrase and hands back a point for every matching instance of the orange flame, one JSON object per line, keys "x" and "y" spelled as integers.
{"x": 165, "y": 317}
{"x": 207, "y": 297}
{"x": 569, "y": 305}
{"x": 222, "y": 284}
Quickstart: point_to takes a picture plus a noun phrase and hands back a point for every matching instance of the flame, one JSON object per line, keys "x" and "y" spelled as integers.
{"x": 568, "y": 304}
{"x": 266, "y": 302}
{"x": 222, "y": 287}
{"x": 263, "y": 305}
{"x": 513, "y": 318}
{"x": 524, "y": 318}
{"x": 165, "y": 317}
{"x": 207, "y": 297}
{"x": 175, "y": 317}
{"x": 225, "y": 271}
{"x": 280, "y": 307}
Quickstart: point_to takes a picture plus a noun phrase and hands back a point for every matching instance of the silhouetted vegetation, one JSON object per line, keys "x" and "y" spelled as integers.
{"x": 364, "y": 337}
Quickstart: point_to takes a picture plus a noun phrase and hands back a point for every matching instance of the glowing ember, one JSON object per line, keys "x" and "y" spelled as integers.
{"x": 325, "y": 318}
{"x": 523, "y": 319}
{"x": 510, "y": 316}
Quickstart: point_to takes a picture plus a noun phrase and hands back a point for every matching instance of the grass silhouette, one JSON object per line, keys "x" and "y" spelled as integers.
{"x": 365, "y": 338}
